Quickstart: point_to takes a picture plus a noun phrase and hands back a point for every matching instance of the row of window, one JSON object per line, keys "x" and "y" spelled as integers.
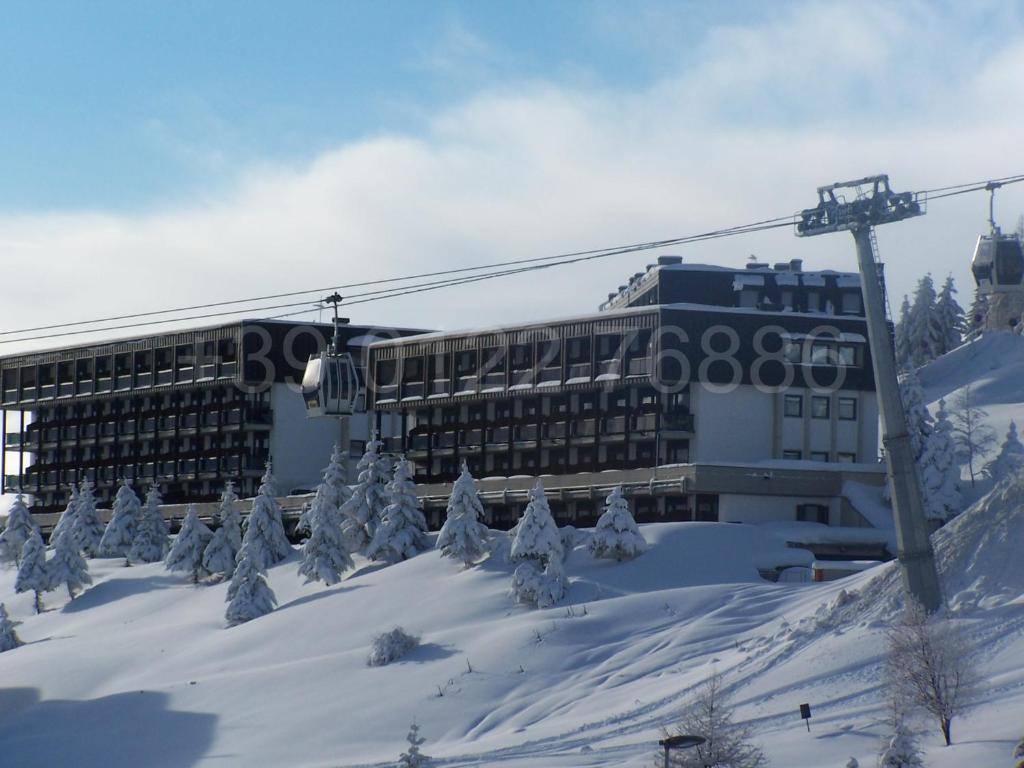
{"x": 842, "y": 457}
{"x": 821, "y": 407}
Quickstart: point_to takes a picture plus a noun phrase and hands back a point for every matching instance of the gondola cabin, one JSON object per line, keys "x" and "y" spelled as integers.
{"x": 998, "y": 263}
{"x": 330, "y": 385}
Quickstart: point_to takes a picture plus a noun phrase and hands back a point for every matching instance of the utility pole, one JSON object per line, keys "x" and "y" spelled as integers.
{"x": 880, "y": 205}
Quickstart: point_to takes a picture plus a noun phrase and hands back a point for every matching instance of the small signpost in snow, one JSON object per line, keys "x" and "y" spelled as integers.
{"x": 805, "y": 715}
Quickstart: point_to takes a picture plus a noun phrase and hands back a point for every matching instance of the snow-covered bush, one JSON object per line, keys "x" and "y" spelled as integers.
{"x": 33, "y": 575}
{"x": 19, "y": 528}
{"x": 901, "y": 751}
{"x": 616, "y": 536}
{"x": 536, "y": 586}
{"x": 365, "y": 507}
{"x": 390, "y": 646}
{"x": 463, "y": 537}
{"x": 324, "y": 557}
{"x": 402, "y": 532}
{"x": 249, "y": 595}
{"x": 222, "y": 550}
{"x": 66, "y": 521}
{"x": 151, "y": 535}
{"x": 8, "y": 637}
{"x": 124, "y": 518}
{"x": 264, "y": 530}
{"x": 186, "y": 554}
{"x": 537, "y": 550}
{"x": 412, "y": 757}
{"x": 1010, "y": 459}
{"x": 67, "y": 567}
{"x": 940, "y": 471}
{"x": 88, "y": 528}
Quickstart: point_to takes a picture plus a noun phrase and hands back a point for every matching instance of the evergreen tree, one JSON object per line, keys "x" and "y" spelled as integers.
{"x": 87, "y": 527}
{"x": 413, "y": 758}
{"x": 8, "y": 637}
{"x": 402, "y": 532}
{"x": 67, "y": 567}
{"x": 951, "y": 317}
{"x": 150, "y": 542}
{"x": 18, "y": 530}
{"x": 919, "y": 421}
{"x": 463, "y": 537}
{"x": 222, "y": 550}
{"x": 324, "y": 557}
{"x": 337, "y": 490}
{"x": 940, "y": 471}
{"x": 264, "y": 530}
{"x": 903, "y": 355}
{"x": 365, "y": 507}
{"x": 977, "y": 314}
{"x": 1010, "y": 459}
{"x": 924, "y": 331}
{"x": 616, "y": 536}
{"x": 33, "y": 575}
{"x": 66, "y": 521}
{"x": 186, "y": 553}
{"x": 901, "y": 751}
{"x": 537, "y": 549}
{"x": 124, "y": 519}
{"x": 249, "y": 595}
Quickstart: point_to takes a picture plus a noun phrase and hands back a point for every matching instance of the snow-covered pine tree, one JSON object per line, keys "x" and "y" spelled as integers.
{"x": 402, "y": 532}
{"x": 951, "y": 317}
{"x": 19, "y": 528}
{"x": 365, "y": 507}
{"x": 537, "y": 548}
{"x": 67, "y": 567}
{"x": 264, "y": 530}
{"x": 88, "y": 528}
{"x": 150, "y": 542}
{"x": 940, "y": 471}
{"x": 33, "y": 575}
{"x": 8, "y": 637}
{"x": 919, "y": 420}
{"x": 66, "y": 521}
{"x": 124, "y": 518}
{"x": 1010, "y": 459}
{"x": 324, "y": 557}
{"x": 412, "y": 757}
{"x": 336, "y": 479}
{"x": 222, "y": 550}
{"x": 901, "y": 751}
{"x": 463, "y": 536}
{"x": 924, "y": 332}
{"x": 249, "y": 595}
{"x": 186, "y": 554}
{"x": 616, "y": 536}
{"x": 903, "y": 353}
{"x": 977, "y": 313}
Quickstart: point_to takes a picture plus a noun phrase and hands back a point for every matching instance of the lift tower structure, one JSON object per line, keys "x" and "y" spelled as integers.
{"x": 878, "y": 204}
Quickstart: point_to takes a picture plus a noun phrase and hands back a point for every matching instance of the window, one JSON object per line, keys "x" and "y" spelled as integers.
{"x": 819, "y": 408}
{"x": 792, "y": 455}
{"x": 851, "y": 303}
{"x": 794, "y": 406}
{"x": 812, "y": 513}
{"x": 819, "y": 455}
{"x": 791, "y": 351}
{"x": 821, "y": 353}
{"x": 846, "y": 458}
{"x": 847, "y": 355}
{"x": 848, "y": 408}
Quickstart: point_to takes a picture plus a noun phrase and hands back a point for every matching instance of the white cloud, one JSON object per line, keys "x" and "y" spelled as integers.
{"x": 524, "y": 169}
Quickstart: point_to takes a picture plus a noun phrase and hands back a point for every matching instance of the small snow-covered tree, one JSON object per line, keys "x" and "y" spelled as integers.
{"x": 539, "y": 586}
{"x": 66, "y": 521}
{"x": 222, "y": 550}
{"x": 402, "y": 532}
{"x": 335, "y": 478}
{"x": 951, "y": 317}
{"x": 903, "y": 336}
{"x": 19, "y": 528}
{"x": 88, "y": 528}
{"x": 186, "y": 554}
{"x": 151, "y": 534}
{"x": 940, "y": 471}
{"x": 412, "y": 757}
{"x": 463, "y": 537}
{"x": 924, "y": 332}
{"x": 389, "y": 646}
{"x": 616, "y": 536}
{"x": 901, "y": 751}
{"x": 1010, "y": 459}
{"x": 365, "y": 507}
{"x": 727, "y": 744}
{"x": 33, "y": 575}
{"x": 537, "y": 550}
{"x": 974, "y": 437}
{"x": 8, "y": 637}
{"x": 929, "y": 666}
{"x": 249, "y": 595}
{"x": 919, "y": 420}
{"x": 852, "y": 763}
{"x": 124, "y": 518}
{"x": 264, "y": 530}
{"x": 977, "y": 313}
{"x": 324, "y": 557}
{"x": 67, "y": 567}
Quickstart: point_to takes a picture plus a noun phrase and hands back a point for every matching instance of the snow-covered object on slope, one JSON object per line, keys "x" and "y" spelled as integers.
{"x": 616, "y": 536}
{"x": 66, "y": 521}
{"x": 901, "y": 751}
{"x": 1010, "y": 459}
{"x": 67, "y": 567}
{"x": 264, "y": 536}
{"x": 365, "y": 506}
{"x": 390, "y": 646}
{"x": 9, "y": 639}
{"x": 33, "y": 575}
{"x": 939, "y": 471}
{"x": 402, "y": 532}
{"x": 249, "y": 595}
{"x": 537, "y": 585}
{"x": 925, "y": 333}
{"x": 87, "y": 527}
{"x": 186, "y": 554}
{"x": 412, "y": 757}
{"x": 919, "y": 420}
{"x": 463, "y": 536}
{"x": 324, "y": 557}
{"x": 124, "y": 518}
{"x": 336, "y": 480}
{"x": 222, "y": 550}
{"x": 151, "y": 534}
{"x": 952, "y": 323}
{"x": 536, "y": 535}
{"x": 19, "y": 528}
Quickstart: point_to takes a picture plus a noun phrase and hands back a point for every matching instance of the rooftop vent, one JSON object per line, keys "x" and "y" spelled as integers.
{"x": 781, "y": 266}
{"x": 796, "y": 265}
{"x": 757, "y": 265}
{"x": 665, "y": 261}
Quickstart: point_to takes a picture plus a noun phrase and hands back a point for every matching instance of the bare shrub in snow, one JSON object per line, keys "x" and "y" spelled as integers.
{"x": 929, "y": 667}
{"x": 124, "y": 518}
{"x": 974, "y": 437}
{"x": 901, "y": 751}
{"x": 186, "y": 554}
{"x": 463, "y": 537}
{"x": 33, "y": 575}
{"x": 8, "y": 637}
{"x": 616, "y": 536}
{"x": 412, "y": 757}
{"x": 727, "y": 743}
{"x": 389, "y": 646}
{"x": 18, "y": 530}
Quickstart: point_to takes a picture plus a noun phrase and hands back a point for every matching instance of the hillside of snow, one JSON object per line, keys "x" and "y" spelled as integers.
{"x": 140, "y": 670}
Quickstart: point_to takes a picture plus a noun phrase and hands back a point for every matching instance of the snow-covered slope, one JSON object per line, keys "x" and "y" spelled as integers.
{"x": 141, "y": 671}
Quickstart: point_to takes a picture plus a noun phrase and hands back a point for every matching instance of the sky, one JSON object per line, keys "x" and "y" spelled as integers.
{"x": 156, "y": 155}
